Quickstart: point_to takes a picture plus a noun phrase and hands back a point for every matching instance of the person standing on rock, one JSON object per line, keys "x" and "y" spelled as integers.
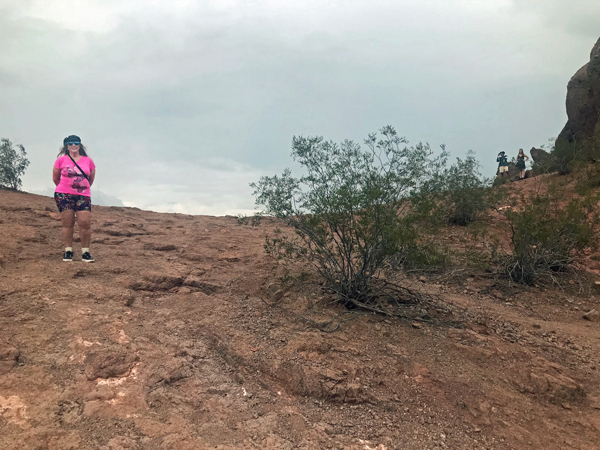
{"x": 73, "y": 175}
{"x": 503, "y": 164}
{"x": 521, "y": 158}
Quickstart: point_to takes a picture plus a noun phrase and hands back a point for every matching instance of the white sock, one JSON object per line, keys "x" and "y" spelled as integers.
{"x": 68, "y": 249}
{"x": 84, "y": 249}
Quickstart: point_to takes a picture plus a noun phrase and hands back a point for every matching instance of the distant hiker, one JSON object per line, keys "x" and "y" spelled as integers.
{"x": 503, "y": 166}
{"x": 73, "y": 175}
{"x": 521, "y": 158}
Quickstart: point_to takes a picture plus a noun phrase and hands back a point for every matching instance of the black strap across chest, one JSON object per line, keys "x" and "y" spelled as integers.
{"x": 80, "y": 169}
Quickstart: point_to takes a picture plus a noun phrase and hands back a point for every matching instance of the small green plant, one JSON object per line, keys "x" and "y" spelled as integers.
{"x": 350, "y": 211}
{"x": 242, "y": 219}
{"x": 455, "y": 194}
{"x": 500, "y": 181}
{"x": 588, "y": 178}
{"x": 254, "y": 220}
{"x": 13, "y": 163}
{"x": 424, "y": 257}
{"x": 546, "y": 235}
{"x": 567, "y": 155}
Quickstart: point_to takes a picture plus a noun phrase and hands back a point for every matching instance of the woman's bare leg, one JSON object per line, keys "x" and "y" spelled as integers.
{"x": 68, "y": 221}
{"x": 85, "y": 230}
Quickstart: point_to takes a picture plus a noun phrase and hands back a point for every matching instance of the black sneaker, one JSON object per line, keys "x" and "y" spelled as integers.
{"x": 68, "y": 256}
{"x": 86, "y": 257}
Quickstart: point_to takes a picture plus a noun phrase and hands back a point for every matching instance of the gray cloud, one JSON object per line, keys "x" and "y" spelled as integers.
{"x": 165, "y": 96}
{"x": 576, "y": 17}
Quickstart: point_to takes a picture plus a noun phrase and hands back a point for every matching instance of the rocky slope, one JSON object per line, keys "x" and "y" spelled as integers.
{"x": 166, "y": 343}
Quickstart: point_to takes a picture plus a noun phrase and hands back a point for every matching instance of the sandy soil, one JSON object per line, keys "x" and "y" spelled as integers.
{"x": 165, "y": 343}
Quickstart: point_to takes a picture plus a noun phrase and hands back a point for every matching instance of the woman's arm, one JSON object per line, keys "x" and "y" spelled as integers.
{"x": 56, "y": 176}
{"x": 92, "y": 176}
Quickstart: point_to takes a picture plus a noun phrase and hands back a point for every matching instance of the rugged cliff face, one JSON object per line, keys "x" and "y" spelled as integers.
{"x": 583, "y": 103}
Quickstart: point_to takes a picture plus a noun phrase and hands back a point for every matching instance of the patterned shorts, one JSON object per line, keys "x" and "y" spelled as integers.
{"x": 72, "y": 201}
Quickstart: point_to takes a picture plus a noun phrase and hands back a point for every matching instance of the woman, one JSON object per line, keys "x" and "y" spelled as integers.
{"x": 521, "y": 158}
{"x": 73, "y": 175}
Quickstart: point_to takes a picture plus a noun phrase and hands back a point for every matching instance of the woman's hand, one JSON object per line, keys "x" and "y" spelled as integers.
{"x": 92, "y": 176}
{"x": 56, "y": 176}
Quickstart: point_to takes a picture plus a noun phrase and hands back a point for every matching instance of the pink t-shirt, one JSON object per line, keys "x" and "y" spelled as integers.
{"x": 71, "y": 179}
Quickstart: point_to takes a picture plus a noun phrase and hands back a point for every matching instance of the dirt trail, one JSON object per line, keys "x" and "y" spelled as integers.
{"x": 165, "y": 343}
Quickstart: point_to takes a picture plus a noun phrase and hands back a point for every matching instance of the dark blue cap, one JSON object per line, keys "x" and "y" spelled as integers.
{"x": 71, "y": 138}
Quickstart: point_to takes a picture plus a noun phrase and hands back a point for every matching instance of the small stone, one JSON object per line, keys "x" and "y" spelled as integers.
{"x": 592, "y": 316}
{"x": 416, "y": 325}
{"x": 497, "y": 294}
{"x": 422, "y": 279}
{"x": 594, "y": 402}
{"x": 571, "y": 281}
{"x": 537, "y": 325}
{"x": 8, "y": 353}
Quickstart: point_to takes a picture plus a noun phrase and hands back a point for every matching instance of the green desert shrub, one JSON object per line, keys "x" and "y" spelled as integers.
{"x": 425, "y": 257}
{"x": 588, "y": 178}
{"x": 455, "y": 194}
{"x": 500, "y": 181}
{"x": 546, "y": 235}
{"x": 567, "y": 155}
{"x": 349, "y": 210}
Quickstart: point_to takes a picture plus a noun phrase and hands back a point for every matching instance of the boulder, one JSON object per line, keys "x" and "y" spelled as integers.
{"x": 541, "y": 158}
{"x": 592, "y": 316}
{"x": 109, "y": 363}
{"x": 513, "y": 172}
{"x": 583, "y": 103}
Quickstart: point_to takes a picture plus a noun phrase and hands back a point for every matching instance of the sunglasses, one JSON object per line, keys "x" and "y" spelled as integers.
{"x": 73, "y": 143}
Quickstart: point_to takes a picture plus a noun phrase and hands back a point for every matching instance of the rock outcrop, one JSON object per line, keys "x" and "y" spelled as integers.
{"x": 583, "y": 103}
{"x": 542, "y": 158}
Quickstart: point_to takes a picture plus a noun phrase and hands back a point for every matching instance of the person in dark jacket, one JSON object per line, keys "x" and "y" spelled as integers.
{"x": 503, "y": 164}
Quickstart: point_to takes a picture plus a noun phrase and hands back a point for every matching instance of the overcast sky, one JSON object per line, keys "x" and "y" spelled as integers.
{"x": 183, "y": 103}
